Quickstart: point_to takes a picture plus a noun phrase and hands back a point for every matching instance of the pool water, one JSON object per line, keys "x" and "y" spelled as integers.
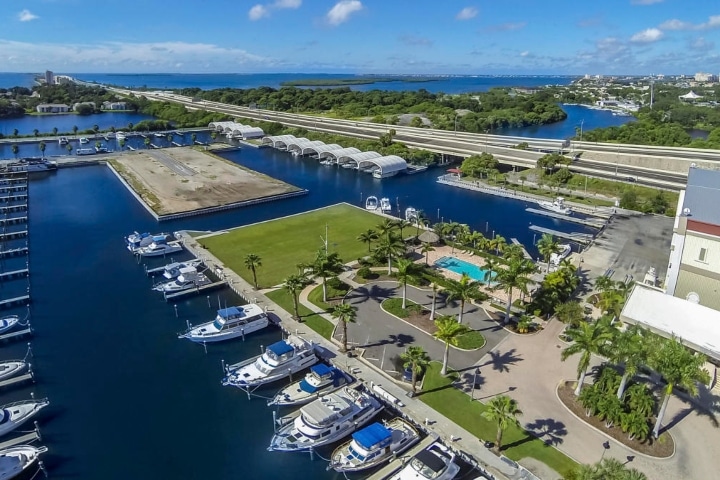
{"x": 461, "y": 266}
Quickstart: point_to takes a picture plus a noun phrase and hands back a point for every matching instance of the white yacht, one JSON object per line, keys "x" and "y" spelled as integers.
{"x": 563, "y": 252}
{"x": 385, "y": 205}
{"x": 280, "y": 360}
{"x": 374, "y": 445}
{"x": 159, "y": 249}
{"x": 371, "y": 203}
{"x": 136, "y": 240}
{"x": 8, "y": 323}
{"x": 557, "y": 206}
{"x": 172, "y": 270}
{"x": 120, "y": 135}
{"x": 16, "y": 461}
{"x": 15, "y": 414}
{"x": 189, "y": 278}
{"x": 436, "y": 462}
{"x": 62, "y": 141}
{"x": 320, "y": 381}
{"x": 10, "y": 368}
{"x": 325, "y": 420}
{"x": 84, "y": 140}
{"x": 378, "y": 173}
{"x": 411, "y": 215}
{"x": 229, "y": 323}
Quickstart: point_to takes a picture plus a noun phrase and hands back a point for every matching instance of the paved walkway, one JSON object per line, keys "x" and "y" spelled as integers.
{"x": 530, "y": 368}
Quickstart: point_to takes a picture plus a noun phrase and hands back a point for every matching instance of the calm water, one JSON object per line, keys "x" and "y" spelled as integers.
{"x": 129, "y": 399}
{"x": 65, "y": 122}
{"x": 9, "y": 80}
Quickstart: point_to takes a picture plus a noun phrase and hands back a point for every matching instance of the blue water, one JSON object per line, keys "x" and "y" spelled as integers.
{"x": 462, "y": 267}
{"x": 65, "y": 122}
{"x": 9, "y": 80}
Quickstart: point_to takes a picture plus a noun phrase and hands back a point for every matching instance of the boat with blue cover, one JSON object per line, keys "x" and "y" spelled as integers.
{"x": 280, "y": 360}
{"x": 320, "y": 381}
{"x": 373, "y": 445}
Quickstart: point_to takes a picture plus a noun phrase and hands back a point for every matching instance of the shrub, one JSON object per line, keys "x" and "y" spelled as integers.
{"x": 364, "y": 272}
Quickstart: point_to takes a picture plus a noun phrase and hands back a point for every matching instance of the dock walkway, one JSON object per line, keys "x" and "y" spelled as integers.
{"x": 19, "y": 379}
{"x": 594, "y": 223}
{"x": 515, "y": 241}
{"x": 14, "y": 274}
{"x": 196, "y": 290}
{"x": 573, "y": 237}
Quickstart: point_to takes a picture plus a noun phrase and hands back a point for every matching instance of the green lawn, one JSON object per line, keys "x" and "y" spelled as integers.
{"x": 313, "y": 320}
{"x": 471, "y": 340}
{"x": 316, "y": 296}
{"x": 439, "y": 394}
{"x": 283, "y": 243}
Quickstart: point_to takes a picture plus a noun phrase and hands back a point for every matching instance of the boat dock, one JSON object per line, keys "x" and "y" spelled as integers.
{"x": 13, "y": 235}
{"x": 400, "y": 462}
{"x": 14, "y": 198}
{"x": 568, "y": 218}
{"x": 583, "y": 238}
{"x": 13, "y": 208}
{"x": 14, "y": 274}
{"x": 515, "y": 241}
{"x": 13, "y": 252}
{"x": 19, "y": 379}
{"x": 13, "y": 188}
{"x": 16, "y": 334}
{"x": 4, "y": 222}
{"x": 24, "y": 439}
{"x": 196, "y": 290}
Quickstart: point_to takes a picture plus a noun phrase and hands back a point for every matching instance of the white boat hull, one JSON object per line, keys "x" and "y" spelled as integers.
{"x": 256, "y": 378}
{"x": 199, "y": 336}
{"x": 15, "y": 414}
{"x": 11, "y": 368}
{"x": 169, "y": 248}
{"x": 14, "y": 461}
{"x": 8, "y": 323}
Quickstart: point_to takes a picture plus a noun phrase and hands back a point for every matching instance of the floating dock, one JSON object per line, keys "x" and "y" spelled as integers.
{"x": 19, "y": 379}
{"x": 400, "y": 462}
{"x": 515, "y": 241}
{"x": 196, "y": 290}
{"x": 14, "y": 274}
{"x": 12, "y": 221}
{"x": 4, "y": 237}
{"x": 567, "y": 218}
{"x": 14, "y": 208}
{"x": 14, "y": 252}
{"x": 13, "y": 188}
{"x": 14, "y": 302}
{"x": 17, "y": 334}
{"x": 14, "y": 198}
{"x": 573, "y": 237}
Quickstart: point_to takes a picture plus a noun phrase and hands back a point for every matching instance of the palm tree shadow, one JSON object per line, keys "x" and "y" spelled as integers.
{"x": 401, "y": 340}
{"x": 378, "y": 293}
{"x": 525, "y": 439}
{"x": 501, "y": 360}
{"x": 549, "y": 430}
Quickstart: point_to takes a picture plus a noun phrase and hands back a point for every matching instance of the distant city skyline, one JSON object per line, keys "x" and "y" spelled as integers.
{"x": 521, "y": 37}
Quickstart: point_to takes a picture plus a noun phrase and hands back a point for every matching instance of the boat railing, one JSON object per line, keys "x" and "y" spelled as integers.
{"x": 37, "y": 401}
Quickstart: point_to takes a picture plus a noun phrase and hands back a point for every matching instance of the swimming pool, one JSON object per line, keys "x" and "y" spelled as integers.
{"x": 461, "y": 266}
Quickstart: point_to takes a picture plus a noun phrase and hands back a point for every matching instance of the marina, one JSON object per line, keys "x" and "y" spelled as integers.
{"x": 582, "y": 238}
{"x": 588, "y": 222}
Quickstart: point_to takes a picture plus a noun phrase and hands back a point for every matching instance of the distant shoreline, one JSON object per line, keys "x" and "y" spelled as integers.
{"x": 340, "y": 82}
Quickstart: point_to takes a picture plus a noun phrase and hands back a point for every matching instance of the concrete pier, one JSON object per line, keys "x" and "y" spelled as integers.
{"x": 574, "y": 237}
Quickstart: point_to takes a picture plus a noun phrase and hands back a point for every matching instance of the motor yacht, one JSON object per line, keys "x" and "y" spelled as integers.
{"x": 374, "y": 445}
{"x": 159, "y": 249}
{"x": 411, "y": 215}
{"x": 8, "y": 322}
{"x": 557, "y": 206}
{"x": 280, "y": 360}
{"x": 17, "y": 461}
{"x": 189, "y": 278}
{"x": 232, "y": 322}
{"x": 325, "y": 420}
{"x": 10, "y": 368}
{"x": 136, "y": 240}
{"x": 436, "y": 462}
{"x": 84, "y": 140}
{"x": 563, "y": 251}
{"x": 371, "y": 203}
{"x": 321, "y": 380}
{"x": 15, "y": 414}
{"x": 385, "y": 205}
{"x": 62, "y": 141}
{"x": 172, "y": 270}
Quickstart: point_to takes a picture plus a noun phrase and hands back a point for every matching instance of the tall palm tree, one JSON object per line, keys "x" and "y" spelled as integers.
{"x": 253, "y": 262}
{"x": 547, "y": 245}
{"x": 15, "y": 149}
{"x": 385, "y": 227}
{"x": 588, "y": 339}
{"x": 448, "y": 331}
{"x": 147, "y": 142}
{"x": 498, "y": 244}
{"x": 405, "y": 272}
{"x": 193, "y": 138}
{"x": 368, "y": 236}
{"x": 326, "y": 265}
{"x": 294, "y": 284}
{"x": 415, "y": 358}
{"x": 36, "y": 132}
{"x": 75, "y": 129}
{"x": 603, "y": 284}
{"x": 15, "y": 132}
{"x": 465, "y": 289}
{"x": 345, "y": 313}
{"x": 630, "y": 349}
{"x": 401, "y": 225}
{"x": 389, "y": 248}
{"x": 514, "y": 252}
{"x": 476, "y": 238}
{"x": 69, "y": 148}
{"x": 503, "y": 411}
{"x": 425, "y": 250}
{"x": 679, "y": 367}
{"x": 514, "y": 276}
{"x": 42, "y": 147}
{"x": 55, "y": 131}
{"x": 435, "y": 289}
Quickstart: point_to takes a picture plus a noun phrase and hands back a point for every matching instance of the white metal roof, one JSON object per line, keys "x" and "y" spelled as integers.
{"x": 696, "y": 325}
{"x": 387, "y": 164}
{"x": 274, "y": 140}
{"x": 319, "y": 149}
{"x": 358, "y": 157}
{"x": 301, "y": 143}
{"x": 338, "y": 153}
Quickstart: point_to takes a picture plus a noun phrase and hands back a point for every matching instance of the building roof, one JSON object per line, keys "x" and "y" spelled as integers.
{"x": 697, "y": 326}
{"x": 339, "y": 152}
{"x": 702, "y": 196}
{"x": 691, "y": 95}
{"x": 389, "y": 163}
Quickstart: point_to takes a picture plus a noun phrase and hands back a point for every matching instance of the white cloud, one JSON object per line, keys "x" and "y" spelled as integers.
{"x": 26, "y": 16}
{"x": 287, "y": 4}
{"x": 506, "y": 27}
{"x": 257, "y": 12}
{"x": 675, "y": 24}
{"x": 524, "y": 54}
{"x": 647, "y": 36}
{"x": 467, "y": 13}
{"x": 645, "y": 2}
{"x": 342, "y": 10}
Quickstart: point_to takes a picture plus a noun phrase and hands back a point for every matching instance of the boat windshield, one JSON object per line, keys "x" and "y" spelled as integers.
{"x": 422, "y": 469}
{"x": 355, "y": 453}
{"x": 218, "y": 323}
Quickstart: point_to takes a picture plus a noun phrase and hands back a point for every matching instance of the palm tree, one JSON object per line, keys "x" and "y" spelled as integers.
{"x": 252, "y": 262}
{"x": 475, "y": 238}
{"x": 547, "y": 245}
{"x": 603, "y": 284}
{"x": 514, "y": 252}
{"x": 402, "y": 224}
{"x": 386, "y": 227}
{"x": 15, "y": 132}
{"x": 130, "y": 126}
{"x": 147, "y": 142}
{"x": 630, "y": 349}
{"x": 55, "y": 131}
{"x": 96, "y": 128}
{"x": 435, "y": 289}
{"x": 679, "y": 367}
{"x": 415, "y": 358}
{"x": 405, "y": 272}
{"x": 464, "y": 290}
{"x": 294, "y": 284}
{"x": 69, "y": 148}
{"x": 503, "y": 411}
{"x": 368, "y": 237}
{"x": 75, "y": 129}
{"x": 498, "y": 244}
{"x": 448, "y": 331}
{"x": 588, "y": 339}
{"x": 193, "y": 138}
{"x": 15, "y": 149}
{"x": 514, "y": 275}
{"x": 122, "y": 143}
{"x": 98, "y": 145}
{"x": 425, "y": 250}
{"x": 326, "y": 265}
{"x": 635, "y": 424}
{"x": 345, "y": 313}
{"x": 36, "y": 132}
{"x": 42, "y": 147}
{"x": 389, "y": 248}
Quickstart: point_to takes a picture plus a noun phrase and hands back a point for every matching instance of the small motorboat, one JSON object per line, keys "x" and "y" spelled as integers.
{"x": 15, "y": 414}
{"x": 385, "y": 205}
{"x": 563, "y": 251}
{"x": 320, "y": 381}
{"x": 8, "y": 323}
{"x": 10, "y": 368}
{"x": 557, "y": 206}
{"x": 371, "y": 203}
{"x": 189, "y": 278}
{"x": 16, "y": 461}
{"x": 159, "y": 249}
{"x": 411, "y": 215}
{"x": 84, "y": 140}
{"x": 62, "y": 141}
{"x": 373, "y": 445}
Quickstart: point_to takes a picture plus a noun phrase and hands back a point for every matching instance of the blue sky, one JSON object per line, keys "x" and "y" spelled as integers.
{"x": 361, "y": 36}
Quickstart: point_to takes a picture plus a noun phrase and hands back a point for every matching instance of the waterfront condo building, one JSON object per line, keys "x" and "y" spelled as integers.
{"x": 694, "y": 268}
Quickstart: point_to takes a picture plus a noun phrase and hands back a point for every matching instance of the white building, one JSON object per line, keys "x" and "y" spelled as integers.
{"x": 52, "y": 108}
{"x": 114, "y": 106}
{"x": 705, "y": 77}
